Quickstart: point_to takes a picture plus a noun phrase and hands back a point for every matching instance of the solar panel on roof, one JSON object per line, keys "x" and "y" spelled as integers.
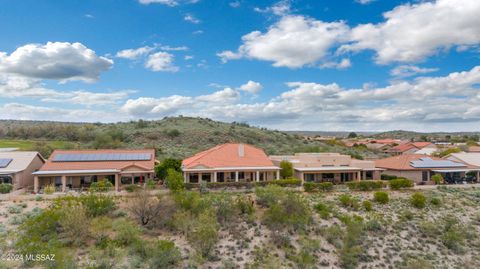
{"x": 5, "y": 162}
{"x": 95, "y": 157}
{"x": 430, "y": 163}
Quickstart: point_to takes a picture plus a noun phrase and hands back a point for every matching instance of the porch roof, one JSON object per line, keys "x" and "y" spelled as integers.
{"x": 246, "y": 168}
{"x": 455, "y": 170}
{"x": 70, "y": 172}
{"x": 328, "y": 168}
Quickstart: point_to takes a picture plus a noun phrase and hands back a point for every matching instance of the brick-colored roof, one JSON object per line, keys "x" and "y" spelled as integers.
{"x": 386, "y": 141}
{"x": 403, "y": 147}
{"x": 401, "y": 162}
{"x": 227, "y": 155}
{"x": 421, "y": 145}
{"x": 98, "y": 165}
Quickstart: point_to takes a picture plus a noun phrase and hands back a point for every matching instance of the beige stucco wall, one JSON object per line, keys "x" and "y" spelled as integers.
{"x": 413, "y": 175}
{"x": 24, "y": 178}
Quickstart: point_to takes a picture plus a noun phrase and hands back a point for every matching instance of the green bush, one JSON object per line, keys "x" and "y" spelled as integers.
{"x": 169, "y": 163}
{"x": 347, "y": 200}
{"x": 151, "y": 184}
{"x": 400, "y": 183}
{"x": 289, "y": 182}
{"x": 365, "y": 185}
{"x": 49, "y": 189}
{"x": 131, "y": 187}
{"x": 98, "y": 204}
{"x": 6, "y": 187}
{"x": 291, "y": 211}
{"x": 286, "y": 169}
{"x": 101, "y": 186}
{"x": 267, "y": 196}
{"x": 323, "y": 186}
{"x": 436, "y": 201}
{"x": 367, "y": 205}
{"x": 244, "y": 205}
{"x": 418, "y": 200}
{"x": 164, "y": 254}
{"x": 204, "y": 233}
{"x": 126, "y": 232}
{"x": 323, "y": 210}
{"x": 437, "y": 179}
{"x": 381, "y": 197}
{"x": 174, "y": 180}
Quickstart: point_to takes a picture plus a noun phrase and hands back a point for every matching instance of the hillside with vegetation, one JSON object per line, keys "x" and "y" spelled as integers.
{"x": 176, "y": 137}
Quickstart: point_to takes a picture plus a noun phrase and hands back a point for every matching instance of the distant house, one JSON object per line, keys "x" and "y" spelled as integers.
{"x": 471, "y": 159}
{"x": 411, "y": 147}
{"x": 475, "y": 149}
{"x": 332, "y": 167}
{"x": 421, "y": 168}
{"x": 229, "y": 163}
{"x": 77, "y": 169}
{"x": 16, "y": 167}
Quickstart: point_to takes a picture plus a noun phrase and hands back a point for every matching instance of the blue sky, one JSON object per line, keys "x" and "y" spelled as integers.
{"x": 292, "y": 65}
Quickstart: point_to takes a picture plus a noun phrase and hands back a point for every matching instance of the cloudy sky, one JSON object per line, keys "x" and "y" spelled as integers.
{"x": 365, "y": 65}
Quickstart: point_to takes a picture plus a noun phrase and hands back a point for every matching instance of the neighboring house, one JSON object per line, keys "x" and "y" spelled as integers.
{"x": 229, "y": 163}
{"x": 412, "y": 148}
{"x": 77, "y": 169}
{"x": 474, "y": 149}
{"x": 333, "y": 167}
{"x": 471, "y": 159}
{"x": 420, "y": 168}
{"x": 16, "y": 167}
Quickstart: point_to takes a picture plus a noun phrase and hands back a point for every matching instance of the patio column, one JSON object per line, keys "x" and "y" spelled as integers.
{"x": 214, "y": 176}
{"x": 133, "y": 179}
{"x": 200, "y": 175}
{"x": 184, "y": 177}
{"x": 35, "y": 184}
{"x": 257, "y": 176}
{"x": 278, "y": 174}
{"x": 64, "y": 183}
{"x": 478, "y": 175}
{"x": 236, "y": 176}
{"x": 117, "y": 182}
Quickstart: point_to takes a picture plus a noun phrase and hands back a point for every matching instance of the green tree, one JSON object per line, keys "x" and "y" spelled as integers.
{"x": 437, "y": 178}
{"x": 174, "y": 180}
{"x": 169, "y": 163}
{"x": 286, "y": 169}
{"x": 352, "y": 135}
{"x": 204, "y": 234}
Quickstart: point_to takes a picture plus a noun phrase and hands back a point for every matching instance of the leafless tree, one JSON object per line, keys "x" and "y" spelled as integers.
{"x": 144, "y": 207}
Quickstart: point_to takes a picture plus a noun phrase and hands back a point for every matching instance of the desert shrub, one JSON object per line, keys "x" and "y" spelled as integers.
{"x": 126, "y": 232}
{"x": 303, "y": 259}
{"x": 418, "y": 200}
{"x": 437, "y": 179}
{"x": 289, "y": 182}
{"x": 192, "y": 201}
{"x": 292, "y": 211}
{"x": 367, "y": 205}
{"x": 351, "y": 249}
{"x": 334, "y": 235}
{"x": 365, "y": 185}
{"x": 453, "y": 239}
{"x": 436, "y": 201}
{"x": 74, "y": 223}
{"x": 183, "y": 221}
{"x": 174, "y": 180}
{"x": 204, "y": 234}
{"x": 151, "y": 184}
{"x": 131, "y": 187}
{"x": 286, "y": 169}
{"x": 323, "y": 210}
{"x": 244, "y": 205}
{"x": 400, "y": 183}
{"x": 49, "y": 189}
{"x": 98, "y": 204}
{"x": 225, "y": 209}
{"x": 387, "y": 177}
{"x": 428, "y": 228}
{"x": 15, "y": 209}
{"x": 281, "y": 239}
{"x": 348, "y": 201}
{"x": 374, "y": 224}
{"x": 99, "y": 229}
{"x": 164, "y": 254}
{"x": 145, "y": 208}
{"x": 6, "y": 187}
{"x": 415, "y": 262}
{"x": 269, "y": 195}
{"x": 101, "y": 186}
{"x": 381, "y": 197}
{"x": 169, "y": 163}
{"x": 323, "y": 186}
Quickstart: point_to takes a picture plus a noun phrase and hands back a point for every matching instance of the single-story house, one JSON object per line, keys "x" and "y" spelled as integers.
{"x": 471, "y": 159}
{"x": 332, "y": 167}
{"x": 16, "y": 167}
{"x": 77, "y": 169}
{"x": 420, "y": 168}
{"x": 229, "y": 163}
{"x": 411, "y": 147}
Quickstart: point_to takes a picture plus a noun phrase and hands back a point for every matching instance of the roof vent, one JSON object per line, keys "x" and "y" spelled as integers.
{"x": 241, "y": 150}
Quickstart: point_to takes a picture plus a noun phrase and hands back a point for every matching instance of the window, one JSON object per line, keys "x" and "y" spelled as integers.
{"x": 369, "y": 175}
{"x": 309, "y": 177}
{"x": 193, "y": 178}
{"x": 220, "y": 177}
{"x": 206, "y": 177}
{"x": 328, "y": 177}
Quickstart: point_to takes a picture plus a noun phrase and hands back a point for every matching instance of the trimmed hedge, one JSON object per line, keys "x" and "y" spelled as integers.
{"x": 400, "y": 183}
{"x": 292, "y": 182}
{"x": 387, "y": 177}
{"x": 6, "y": 187}
{"x": 322, "y": 186}
{"x": 365, "y": 185}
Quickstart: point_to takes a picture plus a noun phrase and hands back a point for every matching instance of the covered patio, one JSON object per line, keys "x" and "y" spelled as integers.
{"x": 336, "y": 174}
{"x": 253, "y": 174}
{"x": 452, "y": 176}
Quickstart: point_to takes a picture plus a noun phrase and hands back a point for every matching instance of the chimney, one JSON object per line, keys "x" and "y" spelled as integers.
{"x": 241, "y": 150}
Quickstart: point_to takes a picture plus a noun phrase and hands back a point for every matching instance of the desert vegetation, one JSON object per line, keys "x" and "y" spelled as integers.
{"x": 263, "y": 227}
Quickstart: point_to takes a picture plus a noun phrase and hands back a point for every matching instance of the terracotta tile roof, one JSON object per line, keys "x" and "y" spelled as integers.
{"x": 98, "y": 165}
{"x": 402, "y": 162}
{"x": 403, "y": 147}
{"x": 386, "y": 141}
{"x": 228, "y": 155}
{"x": 473, "y": 149}
{"x": 421, "y": 145}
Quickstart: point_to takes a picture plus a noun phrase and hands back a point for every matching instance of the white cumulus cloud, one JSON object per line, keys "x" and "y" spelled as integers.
{"x": 161, "y": 62}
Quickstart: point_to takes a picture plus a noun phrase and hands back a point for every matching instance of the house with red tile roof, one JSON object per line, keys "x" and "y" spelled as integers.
{"x": 229, "y": 163}
{"x": 420, "y": 168}
{"x": 77, "y": 169}
{"x": 332, "y": 167}
{"x": 411, "y": 147}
